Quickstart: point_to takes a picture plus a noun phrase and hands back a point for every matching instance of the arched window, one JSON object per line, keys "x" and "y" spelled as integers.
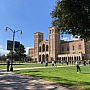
{"x": 50, "y": 32}
{"x": 40, "y": 49}
{"x": 75, "y": 58}
{"x": 43, "y": 47}
{"x": 46, "y": 47}
{"x": 72, "y": 58}
{"x": 67, "y": 48}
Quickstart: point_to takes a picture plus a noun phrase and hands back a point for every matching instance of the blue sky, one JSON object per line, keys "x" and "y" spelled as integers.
{"x": 30, "y": 16}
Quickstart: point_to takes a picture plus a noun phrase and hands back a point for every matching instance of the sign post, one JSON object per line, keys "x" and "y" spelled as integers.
{"x": 13, "y": 31}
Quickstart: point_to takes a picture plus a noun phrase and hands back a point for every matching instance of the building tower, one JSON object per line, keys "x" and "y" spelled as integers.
{"x": 54, "y": 43}
{"x": 38, "y": 37}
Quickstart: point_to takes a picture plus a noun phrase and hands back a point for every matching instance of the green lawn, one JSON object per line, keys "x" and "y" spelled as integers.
{"x": 62, "y": 75}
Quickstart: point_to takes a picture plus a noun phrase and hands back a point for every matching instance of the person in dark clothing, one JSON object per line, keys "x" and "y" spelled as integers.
{"x": 84, "y": 63}
{"x": 55, "y": 63}
{"x": 78, "y": 67}
{"x": 8, "y": 64}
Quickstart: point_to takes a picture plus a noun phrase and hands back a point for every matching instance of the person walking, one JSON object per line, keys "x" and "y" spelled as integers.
{"x": 8, "y": 64}
{"x": 55, "y": 63}
{"x": 52, "y": 62}
{"x": 84, "y": 63}
{"x": 78, "y": 67}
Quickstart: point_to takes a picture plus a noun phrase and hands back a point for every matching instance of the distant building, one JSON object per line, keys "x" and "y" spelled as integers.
{"x": 56, "y": 49}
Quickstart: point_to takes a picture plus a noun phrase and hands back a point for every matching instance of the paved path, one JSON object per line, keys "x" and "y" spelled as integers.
{"x": 11, "y": 81}
{"x": 39, "y": 67}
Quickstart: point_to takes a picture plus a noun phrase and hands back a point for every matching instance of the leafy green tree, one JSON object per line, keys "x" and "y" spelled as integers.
{"x": 18, "y": 54}
{"x": 2, "y": 58}
{"x": 73, "y": 17}
{"x": 9, "y": 55}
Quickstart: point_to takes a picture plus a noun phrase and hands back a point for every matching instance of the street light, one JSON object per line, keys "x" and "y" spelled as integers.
{"x": 13, "y": 31}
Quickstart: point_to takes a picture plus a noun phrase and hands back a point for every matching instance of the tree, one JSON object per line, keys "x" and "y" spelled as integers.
{"x": 18, "y": 54}
{"x": 2, "y": 58}
{"x": 73, "y": 17}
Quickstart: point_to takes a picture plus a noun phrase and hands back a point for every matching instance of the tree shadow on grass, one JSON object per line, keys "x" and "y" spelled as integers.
{"x": 70, "y": 84}
{"x": 34, "y": 71}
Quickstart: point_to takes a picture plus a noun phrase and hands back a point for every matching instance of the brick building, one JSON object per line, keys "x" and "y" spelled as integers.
{"x": 56, "y": 49}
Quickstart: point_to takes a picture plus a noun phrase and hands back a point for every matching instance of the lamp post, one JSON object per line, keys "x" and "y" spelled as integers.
{"x": 13, "y": 31}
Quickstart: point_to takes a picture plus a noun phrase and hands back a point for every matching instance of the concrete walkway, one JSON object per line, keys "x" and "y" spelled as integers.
{"x": 39, "y": 67}
{"x": 11, "y": 81}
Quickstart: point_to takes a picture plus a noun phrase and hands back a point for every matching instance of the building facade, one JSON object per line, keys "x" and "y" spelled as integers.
{"x": 56, "y": 49}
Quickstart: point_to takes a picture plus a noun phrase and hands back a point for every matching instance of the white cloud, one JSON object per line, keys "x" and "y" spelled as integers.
{"x": 73, "y": 38}
{"x": 27, "y": 50}
{"x": 3, "y": 51}
{"x": 65, "y": 38}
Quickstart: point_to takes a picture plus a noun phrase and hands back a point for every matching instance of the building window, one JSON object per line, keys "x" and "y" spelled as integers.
{"x": 50, "y": 32}
{"x": 40, "y": 49}
{"x": 67, "y": 48}
{"x": 43, "y": 47}
{"x": 46, "y": 47}
{"x": 73, "y": 47}
{"x": 40, "y": 37}
{"x": 62, "y": 48}
{"x": 79, "y": 47}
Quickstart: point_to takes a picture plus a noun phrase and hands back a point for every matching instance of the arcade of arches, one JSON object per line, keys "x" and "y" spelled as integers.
{"x": 70, "y": 58}
{"x": 43, "y": 57}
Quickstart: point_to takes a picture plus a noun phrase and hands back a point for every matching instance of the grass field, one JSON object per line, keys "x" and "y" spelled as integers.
{"x": 62, "y": 75}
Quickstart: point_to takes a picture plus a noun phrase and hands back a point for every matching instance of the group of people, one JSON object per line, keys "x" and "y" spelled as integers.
{"x": 46, "y": 64}
{"x": 53, "y": 63}
{"x": 86, "y": 62}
